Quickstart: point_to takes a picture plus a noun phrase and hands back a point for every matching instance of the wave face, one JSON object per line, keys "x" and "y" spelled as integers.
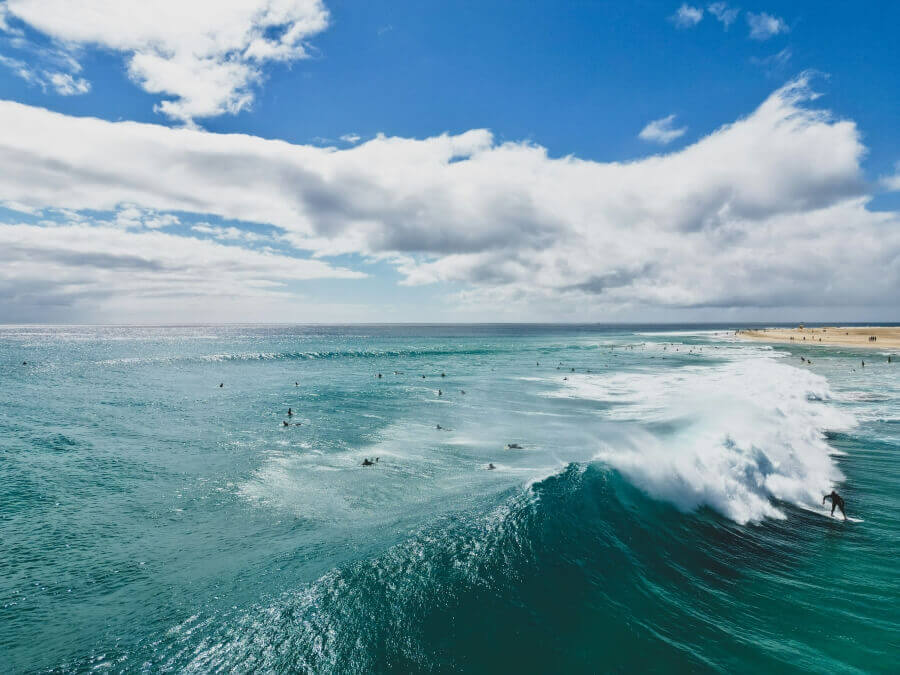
{"x": 662, "y": 509}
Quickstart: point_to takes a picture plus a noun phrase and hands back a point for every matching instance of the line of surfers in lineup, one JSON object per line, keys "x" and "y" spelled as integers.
{"x": 368, "y": 462}
{"x": 862, "y": 362}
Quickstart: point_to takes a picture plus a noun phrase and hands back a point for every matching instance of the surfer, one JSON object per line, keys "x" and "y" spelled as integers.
{"x": 221, "y": 384}
{"x": 836, "y": 501}
{"x": 290, "y": 412}
{"x": 491, "y": 466}
{"x": 285, "y": 423}
{"x": 368, "y": 462}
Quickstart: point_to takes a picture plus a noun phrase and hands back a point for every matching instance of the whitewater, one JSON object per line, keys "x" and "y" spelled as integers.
{"x": 655, "y": 501}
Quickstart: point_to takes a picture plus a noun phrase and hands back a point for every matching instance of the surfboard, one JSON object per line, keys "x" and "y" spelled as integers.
{"x": 826, "y": 512}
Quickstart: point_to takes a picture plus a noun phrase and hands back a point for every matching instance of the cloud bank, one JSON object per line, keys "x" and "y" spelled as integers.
{"x": 768, "y": 211}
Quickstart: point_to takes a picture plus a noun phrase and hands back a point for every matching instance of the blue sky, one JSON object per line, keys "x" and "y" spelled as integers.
{"x": 545, "y": 78}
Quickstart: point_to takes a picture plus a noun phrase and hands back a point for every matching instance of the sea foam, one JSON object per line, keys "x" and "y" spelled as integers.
{"x": 736, "y": 437}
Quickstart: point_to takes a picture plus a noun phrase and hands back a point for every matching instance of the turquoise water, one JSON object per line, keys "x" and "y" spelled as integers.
{"x": 663, "y": 513}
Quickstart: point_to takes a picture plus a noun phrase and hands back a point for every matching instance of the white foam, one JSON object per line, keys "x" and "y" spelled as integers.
{"x": 732, "y": 436}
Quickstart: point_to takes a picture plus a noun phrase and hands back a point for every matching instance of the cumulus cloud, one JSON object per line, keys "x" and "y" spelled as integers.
{"x": 724, "y": 14}
{"x": 662, "y": 130}
{"x": 203, "y": 56}
{"x": 763, "y": 26}
{"x": 687, "y": 16}
{"x": 767, "y": 211}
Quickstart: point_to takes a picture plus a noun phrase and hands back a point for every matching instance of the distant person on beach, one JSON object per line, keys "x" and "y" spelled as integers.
{"x": 836, "y": 501}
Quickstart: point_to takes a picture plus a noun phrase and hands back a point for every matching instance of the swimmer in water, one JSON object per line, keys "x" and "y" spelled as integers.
{"x": 491, "y": 466}
{"x": 440, "y": 393}
{"x": 290, "y": 412}
{"x": 285, "y": 423}
{"x": 221, "y": 384}
{"x": 836, "y": 501}
{"x": 368, "y": 462}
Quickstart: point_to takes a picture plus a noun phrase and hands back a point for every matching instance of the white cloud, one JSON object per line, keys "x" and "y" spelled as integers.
{"x": 759, "y": 213}
{"x": 62, "y": 83}
{"x": 725, "y": 14}
{"x": 351, "y": 138}
{"x": 687, "y": 16}
{"x": 4, "y": 22}
{"x": 892, "y": 182}
{"x": 230, "y": 233}
{"x": 763, "y": 26}
{"x": 74, "y": 270}
{"x": 21, "y": 69}
{"x": 203, "y": 56}
{"x": 774, "y": 63}
{"x": 66, "y": 85}
{"x": 662, "y": 131}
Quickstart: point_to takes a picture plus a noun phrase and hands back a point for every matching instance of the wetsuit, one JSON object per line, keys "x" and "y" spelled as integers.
{"x": 836, "y": 501}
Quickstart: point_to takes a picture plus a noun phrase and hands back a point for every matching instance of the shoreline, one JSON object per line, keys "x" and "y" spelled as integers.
{"x": 885, "y": 337}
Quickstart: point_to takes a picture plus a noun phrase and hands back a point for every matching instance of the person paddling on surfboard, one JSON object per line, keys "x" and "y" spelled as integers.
{"x": 836, "y": 500}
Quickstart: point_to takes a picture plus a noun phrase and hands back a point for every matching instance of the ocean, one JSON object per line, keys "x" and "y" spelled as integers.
{"x": 659, "y": 509}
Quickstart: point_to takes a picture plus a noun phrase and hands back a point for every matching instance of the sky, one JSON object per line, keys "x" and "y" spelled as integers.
{"x": 188, "y": 161}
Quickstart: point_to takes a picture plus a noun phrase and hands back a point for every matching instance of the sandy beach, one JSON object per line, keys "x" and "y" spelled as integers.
{"x": 886, "y": 337}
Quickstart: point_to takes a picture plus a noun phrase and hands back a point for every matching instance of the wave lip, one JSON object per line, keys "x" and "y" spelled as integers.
{"x": 738, "y": 437}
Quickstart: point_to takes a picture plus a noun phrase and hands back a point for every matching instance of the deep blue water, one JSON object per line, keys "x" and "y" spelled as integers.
{"x": 663, "y": 512}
